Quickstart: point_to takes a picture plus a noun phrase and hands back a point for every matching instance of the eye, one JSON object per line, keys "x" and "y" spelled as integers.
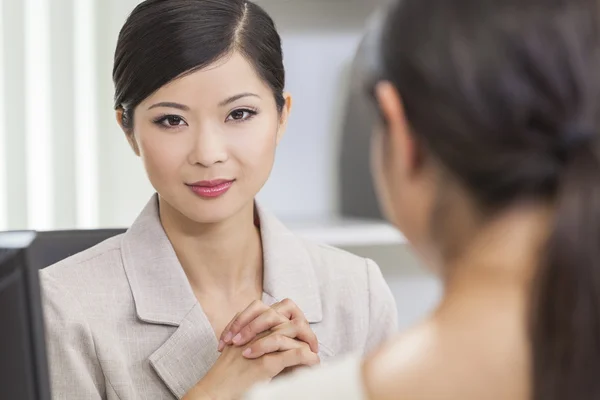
{"x": 170, "y": 121}
{"x": 241, "y": 114}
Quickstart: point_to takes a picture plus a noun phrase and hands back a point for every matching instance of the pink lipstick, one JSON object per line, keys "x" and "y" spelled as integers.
{"x": 212, "y": 188}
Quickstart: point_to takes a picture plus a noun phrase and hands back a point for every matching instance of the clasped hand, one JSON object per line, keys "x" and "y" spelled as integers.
{"x": 283, "y": 325}
{"x": 258, "y": 344}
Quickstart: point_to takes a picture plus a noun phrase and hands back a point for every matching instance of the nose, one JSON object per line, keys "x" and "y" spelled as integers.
{"x": 208, "y": 148}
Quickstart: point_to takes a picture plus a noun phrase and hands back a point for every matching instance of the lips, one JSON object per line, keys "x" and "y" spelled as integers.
{"x": 211, "y": 183}
{"x": 211, "y": 188}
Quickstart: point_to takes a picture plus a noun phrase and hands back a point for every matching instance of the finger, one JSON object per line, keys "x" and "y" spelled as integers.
{"x": 270, "y": 344}
{"x": 278, "y": 361}
{"x": 224, "y": 333}
{"x": 288, "y": 309}
{"x": 226, "y": 330}
{"x": 290, "y": 370}
{"x": 252, "y": 311}
{"x": 264, "y": 322}
{"x": 299, "y": 356}
{"x": 299, "y": 330}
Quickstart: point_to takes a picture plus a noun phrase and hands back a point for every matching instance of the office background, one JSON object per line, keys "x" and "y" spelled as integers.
{"x": 64, "y": 163}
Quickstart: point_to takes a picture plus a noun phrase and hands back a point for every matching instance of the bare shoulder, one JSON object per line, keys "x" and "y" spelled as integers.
{"x": 401, "y": 368}
{"x": 428, "y": 363}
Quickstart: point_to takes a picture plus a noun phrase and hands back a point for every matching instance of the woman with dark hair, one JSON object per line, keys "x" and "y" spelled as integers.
{"x": 150, "y": 314}
{"x": 488, "y": 159}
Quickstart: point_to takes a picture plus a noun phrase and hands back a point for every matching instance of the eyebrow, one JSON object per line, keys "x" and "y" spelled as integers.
{"x": 183, "y": 107}
{"x": 169, "y": 104}
{"x": 237, "y": 97}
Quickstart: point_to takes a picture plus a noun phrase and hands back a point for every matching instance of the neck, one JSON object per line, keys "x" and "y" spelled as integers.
{"x": 491, "y": 278}
{"x": 506, "y": 249}
{"x": 223, "y": 258}
{"x": 485, "y": 308}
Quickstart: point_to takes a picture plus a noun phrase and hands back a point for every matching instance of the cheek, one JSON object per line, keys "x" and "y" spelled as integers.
{"x": 254, "y": 149}
{"x": 380, "y": 173}
{"x": 162, "y": 156}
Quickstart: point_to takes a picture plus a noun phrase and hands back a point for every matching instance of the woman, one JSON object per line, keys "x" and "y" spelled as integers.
{"x": 199, "y": 95}
{"x": 489, "y": 161}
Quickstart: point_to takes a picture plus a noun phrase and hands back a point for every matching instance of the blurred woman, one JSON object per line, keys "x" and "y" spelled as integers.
{"x": 488, "y": 159}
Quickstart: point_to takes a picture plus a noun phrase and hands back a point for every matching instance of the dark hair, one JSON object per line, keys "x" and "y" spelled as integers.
{"x": 505, "y": 95}
{"x": 165, "y": 39}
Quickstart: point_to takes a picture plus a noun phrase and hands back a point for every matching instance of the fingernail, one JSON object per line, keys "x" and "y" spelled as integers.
{"x": 227, "y": 337}
{"x": 237, "y": 338}
{"x": 247, "y": 352}
{"x": 221, "y": 345}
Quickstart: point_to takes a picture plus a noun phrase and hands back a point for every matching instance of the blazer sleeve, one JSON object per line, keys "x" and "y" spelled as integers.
{"x": 75, "y": 371}
{"x": 383, "y": 312}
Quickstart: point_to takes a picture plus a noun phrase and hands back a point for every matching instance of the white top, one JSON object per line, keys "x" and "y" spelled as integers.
{"x": 339, "y": 380}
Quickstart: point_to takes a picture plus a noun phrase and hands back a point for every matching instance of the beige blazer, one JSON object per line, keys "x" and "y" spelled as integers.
{"x": 123, "y": 323}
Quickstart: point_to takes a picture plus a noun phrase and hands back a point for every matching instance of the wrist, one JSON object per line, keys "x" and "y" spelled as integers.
{"x": 202, "y": 391}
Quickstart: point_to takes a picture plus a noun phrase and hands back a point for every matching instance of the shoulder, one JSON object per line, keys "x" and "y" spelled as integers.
{"x": 335, "y": 267}
{"x": 355, "y": 297}
{"x": 433, "y": 360}
{"x": 332, "y": 263}
{"x": 97, "y": 260}
{"x": 85, "y": 277}
{"x": 409, "y": 366}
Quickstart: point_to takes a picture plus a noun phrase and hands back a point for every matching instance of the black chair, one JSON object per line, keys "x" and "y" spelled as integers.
{"x": 357, "y": 194}
{"x": 53, "y": 246}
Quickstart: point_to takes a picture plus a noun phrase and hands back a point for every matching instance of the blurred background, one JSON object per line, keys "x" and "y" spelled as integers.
{"x": 65, "y": 164}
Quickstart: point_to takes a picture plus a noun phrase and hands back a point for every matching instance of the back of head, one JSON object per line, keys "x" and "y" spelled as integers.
{"x": 165, "y": 39}
{"x": 506, "y": 96}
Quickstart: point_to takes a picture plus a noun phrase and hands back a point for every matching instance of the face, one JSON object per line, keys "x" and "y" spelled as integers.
{"x": 402, "y": 178}
{"x": 208, "y": 139}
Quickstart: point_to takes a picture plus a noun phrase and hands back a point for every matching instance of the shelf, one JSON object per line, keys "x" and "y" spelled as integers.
{"x": 348, "y": 232}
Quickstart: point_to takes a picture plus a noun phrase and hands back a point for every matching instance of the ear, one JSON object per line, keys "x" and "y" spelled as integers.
{"x": 403, "y": 147}
{"x": 128, "y": 132}
{"x": 285, "y": 114}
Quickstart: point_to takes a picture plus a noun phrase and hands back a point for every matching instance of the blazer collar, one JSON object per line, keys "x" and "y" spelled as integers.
{"x": 160, "y": 288}
{"x": 288, "y": 267}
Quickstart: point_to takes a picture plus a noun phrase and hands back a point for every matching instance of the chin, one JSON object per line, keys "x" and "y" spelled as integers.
{"x": 209, "y": 213}
{"x": 215, "y": 210}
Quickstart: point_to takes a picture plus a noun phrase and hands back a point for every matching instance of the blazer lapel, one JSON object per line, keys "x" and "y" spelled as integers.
{"x": 188, "y": 354}
{"x": 288, "y": 267}
{"x": 162, "y": 295}
{"x": 160, "y": 288}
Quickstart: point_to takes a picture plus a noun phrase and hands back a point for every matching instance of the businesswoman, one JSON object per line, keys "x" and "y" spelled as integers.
{"x": 146, "y": 315}
{"x": 488, "y": 159}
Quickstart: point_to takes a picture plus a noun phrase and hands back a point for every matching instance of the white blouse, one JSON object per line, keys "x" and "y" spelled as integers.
{"x": 339, "y": 380}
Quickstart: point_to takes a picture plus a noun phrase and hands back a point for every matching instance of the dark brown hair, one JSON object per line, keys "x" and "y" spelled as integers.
{"x": 165, "y": 39}
{"x": 505, "y": 94}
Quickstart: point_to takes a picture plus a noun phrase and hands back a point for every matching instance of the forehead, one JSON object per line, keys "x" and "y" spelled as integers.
{"x": 226, "y": 77}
